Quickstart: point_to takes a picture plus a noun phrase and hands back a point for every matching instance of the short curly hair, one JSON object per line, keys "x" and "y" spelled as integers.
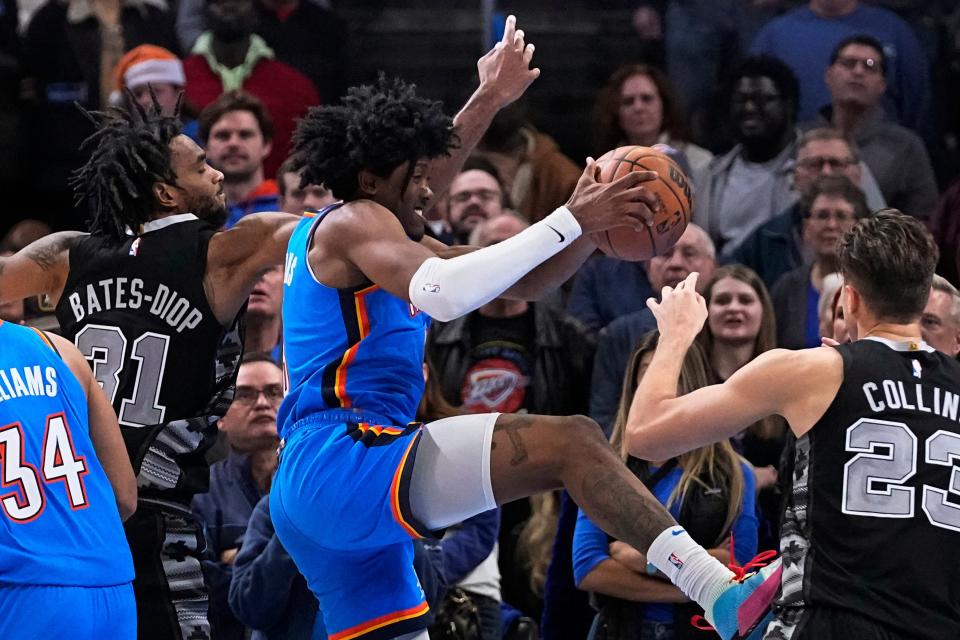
{"x": 377, "y": 128}
{"x": 129, "y": 152}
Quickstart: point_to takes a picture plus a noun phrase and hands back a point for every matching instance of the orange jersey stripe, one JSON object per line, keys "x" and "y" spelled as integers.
{"x": 382, "y": 621}
{"x": 395, "y": 492}
{"x": 363, "y": 325}
{"x": 44, "y": 337}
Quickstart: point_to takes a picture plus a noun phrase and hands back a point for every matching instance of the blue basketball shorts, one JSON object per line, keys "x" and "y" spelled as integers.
{"x": 28, "y": 612}
{"x": 340, "y": 506}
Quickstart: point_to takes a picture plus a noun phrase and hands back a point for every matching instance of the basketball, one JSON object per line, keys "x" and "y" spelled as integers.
{"x": 672, "y": 189}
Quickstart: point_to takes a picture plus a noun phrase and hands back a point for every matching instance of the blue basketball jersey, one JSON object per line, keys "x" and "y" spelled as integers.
{"x": 359, "y": 348}
{"x": 59, "y": 523}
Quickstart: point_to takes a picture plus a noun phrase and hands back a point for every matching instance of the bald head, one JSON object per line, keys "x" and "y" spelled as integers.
{"x": 496, "y": 230}
{"x": 694, "y": 251}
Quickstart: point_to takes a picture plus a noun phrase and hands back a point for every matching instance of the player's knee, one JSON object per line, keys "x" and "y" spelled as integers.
{"x": 583, "y": 431}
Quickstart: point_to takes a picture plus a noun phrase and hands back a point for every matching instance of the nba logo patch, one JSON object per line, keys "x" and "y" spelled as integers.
{"x": 431, "y": 288}
{"x": 135, "y": 247}
{"x": 917, "y": 369}
{"x": 675, "y": 561}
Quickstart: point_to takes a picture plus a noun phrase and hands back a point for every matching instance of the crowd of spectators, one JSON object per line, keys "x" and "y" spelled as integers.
{"x": 793, "y": 120}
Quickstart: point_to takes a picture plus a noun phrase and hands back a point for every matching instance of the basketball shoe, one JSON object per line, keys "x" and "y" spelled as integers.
{"x": 743, "y": 610}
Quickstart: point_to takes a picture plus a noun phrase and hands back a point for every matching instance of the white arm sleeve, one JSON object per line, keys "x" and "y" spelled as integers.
{"x": 446, "y": 289}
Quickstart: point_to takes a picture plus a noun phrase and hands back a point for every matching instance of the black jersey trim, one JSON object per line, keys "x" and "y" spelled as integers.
{"x": 356, "y": 326}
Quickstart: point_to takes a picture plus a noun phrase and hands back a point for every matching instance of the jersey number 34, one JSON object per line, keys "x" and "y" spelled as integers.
{"x": 60, "y": 463}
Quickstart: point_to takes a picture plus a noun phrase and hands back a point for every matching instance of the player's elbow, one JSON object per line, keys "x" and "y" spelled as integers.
{"x": 641, "y": 442}
{"x": 444, "y": 307}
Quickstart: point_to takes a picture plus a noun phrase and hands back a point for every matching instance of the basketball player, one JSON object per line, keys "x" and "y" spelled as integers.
{"x": 65, "y": 570}
{"x": 150, "y": 294}
{"x": 153, "y": 311}
{"x": 357, "y": 480}
{"x": 871, "y": 536}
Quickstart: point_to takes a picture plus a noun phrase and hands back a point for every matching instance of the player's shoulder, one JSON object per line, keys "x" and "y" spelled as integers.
{"x": 799, "y": 364}
{"x": 71, "y": 356}
{"x": 358, "y": 220}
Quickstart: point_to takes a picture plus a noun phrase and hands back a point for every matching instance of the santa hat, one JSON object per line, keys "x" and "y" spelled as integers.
{"x": 143, "y": 64}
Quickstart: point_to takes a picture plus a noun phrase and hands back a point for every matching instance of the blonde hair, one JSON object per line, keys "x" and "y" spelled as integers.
{"x": 535, "y": 544}
{"x": 717, "y": 463}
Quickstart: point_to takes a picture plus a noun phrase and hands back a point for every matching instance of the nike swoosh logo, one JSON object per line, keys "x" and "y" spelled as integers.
{"x": 557, "y": 232}
{"x": 675, "y": 532}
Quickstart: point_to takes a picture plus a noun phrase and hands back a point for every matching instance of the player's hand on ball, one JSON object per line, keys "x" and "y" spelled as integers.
{"x": 681, "y": 311}
{"x": 505, "y": 70}
{"x": 623, "y": 202}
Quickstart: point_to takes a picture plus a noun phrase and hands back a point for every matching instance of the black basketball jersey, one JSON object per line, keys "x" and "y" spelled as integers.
{"x": 872, "y": 525}
{"x": 137, "y": 310}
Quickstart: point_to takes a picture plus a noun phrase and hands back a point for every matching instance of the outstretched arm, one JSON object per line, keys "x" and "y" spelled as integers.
{"x": 505, "y": 74}
{"x": 239, "y": 256}
{"x": 367, "y": 237}
{"x": 795, "y": 384}
{"x": 40, "y": 267}
{"x": 594, "y": 205}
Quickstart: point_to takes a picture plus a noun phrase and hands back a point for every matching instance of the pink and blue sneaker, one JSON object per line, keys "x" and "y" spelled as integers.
{"x": 743, "y": 610}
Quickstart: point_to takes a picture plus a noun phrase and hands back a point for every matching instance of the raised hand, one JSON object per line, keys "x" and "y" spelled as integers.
{"x": 505, "y": 70}
{"x": 621, "y": 203}
{"x": 681, "y": 311}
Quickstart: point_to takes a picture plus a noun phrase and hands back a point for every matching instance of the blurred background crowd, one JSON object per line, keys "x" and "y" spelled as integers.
{"x": 793, "y": 119}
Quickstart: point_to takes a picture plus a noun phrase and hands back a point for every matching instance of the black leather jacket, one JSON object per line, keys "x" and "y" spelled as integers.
{"x": 562, "y": 360}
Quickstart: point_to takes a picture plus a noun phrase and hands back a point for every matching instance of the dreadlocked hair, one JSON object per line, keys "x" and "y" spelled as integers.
{"x": 377, "y": 128}
{"x": 129, "y": 152}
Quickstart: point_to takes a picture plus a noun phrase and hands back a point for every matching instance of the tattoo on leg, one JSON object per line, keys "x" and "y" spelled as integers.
{"x": 512, "y": 425}
{"x": 634, "y": 517}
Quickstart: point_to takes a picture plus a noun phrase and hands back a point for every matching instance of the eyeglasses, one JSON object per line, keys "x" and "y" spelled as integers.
{"x": 870, "y": 65}
{"x": 823, "y": 215}
{"x": 249, "y": 395}
{"x": 817, "y": 163}
{"x": 485, "y": 195}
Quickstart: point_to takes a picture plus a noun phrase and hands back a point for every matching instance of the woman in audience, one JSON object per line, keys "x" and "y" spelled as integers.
{"x": 711, "y": 493}
{"x": 639, "y": 107}
{"x": 740, "y": 326}
{"x": 830, "y": 208}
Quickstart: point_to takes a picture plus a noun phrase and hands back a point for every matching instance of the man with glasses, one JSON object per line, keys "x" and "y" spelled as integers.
{"x": 897, "y": 157}
{"x": 830, "y": 209}
{"x": 751, "y": 183}
{"x": 777, "y": 247}
{"x": 238, "y": 482}
{"x": 805, "y": 38}
{"x": 475, "y": 195}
